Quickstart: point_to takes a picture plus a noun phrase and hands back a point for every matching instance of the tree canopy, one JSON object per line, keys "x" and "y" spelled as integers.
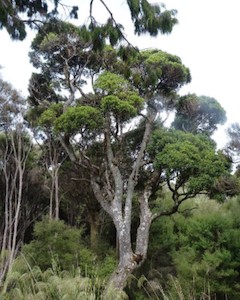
{"x": 198, "y": 114}
{"x": 146, "y": 17}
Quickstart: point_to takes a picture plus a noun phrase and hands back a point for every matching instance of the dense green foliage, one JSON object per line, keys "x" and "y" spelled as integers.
{"x": 189, "y": 160}
{"x": 199, "y": 247}
{"x": 198, "y": 114}
{"x": 55, "y": 241}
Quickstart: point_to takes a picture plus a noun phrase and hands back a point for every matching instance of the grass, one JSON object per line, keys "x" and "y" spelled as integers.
{"x": 24, "y": 282}
{"x": 31, "y": 283}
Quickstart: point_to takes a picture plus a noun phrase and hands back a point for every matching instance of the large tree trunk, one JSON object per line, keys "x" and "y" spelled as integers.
{"x": 126, "y": 266}
{"x": 119, "y": 206}
{"x": 128, "y": 260}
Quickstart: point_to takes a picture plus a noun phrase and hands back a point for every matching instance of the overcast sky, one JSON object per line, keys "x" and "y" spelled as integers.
{"x": 206, "y": 39}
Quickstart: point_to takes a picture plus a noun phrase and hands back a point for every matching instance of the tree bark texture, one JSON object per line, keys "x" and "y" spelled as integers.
{"x": 15, "y": 157}
{"x": 117, "y": 202}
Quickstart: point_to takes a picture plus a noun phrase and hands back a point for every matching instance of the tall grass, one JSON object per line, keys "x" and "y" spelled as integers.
{"x": 173, "y": 291}
{"x": 24, "y": 282}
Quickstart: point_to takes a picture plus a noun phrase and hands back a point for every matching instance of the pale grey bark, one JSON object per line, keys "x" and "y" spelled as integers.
{"x": 120, "y": 208}
{"x": 115, "y": 191}
{"x": 53, "y": 170}
{"x": 17, "y": 153}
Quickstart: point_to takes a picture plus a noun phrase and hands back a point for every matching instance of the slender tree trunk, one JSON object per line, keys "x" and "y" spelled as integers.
{"x": 51, "y": 200}
{"x": 17, "y": 216}
{"x": 94, "y": 226}
{"x": 6, "y": 214}
{"x": 56, "y": 189}
{"x": 14, "y": 168}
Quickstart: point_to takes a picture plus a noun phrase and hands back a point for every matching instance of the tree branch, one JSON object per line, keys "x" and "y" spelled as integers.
{"x": 116, "y": 24}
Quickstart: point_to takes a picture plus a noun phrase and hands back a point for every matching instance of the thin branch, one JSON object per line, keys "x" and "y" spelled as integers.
{"x": 117, "y": 25}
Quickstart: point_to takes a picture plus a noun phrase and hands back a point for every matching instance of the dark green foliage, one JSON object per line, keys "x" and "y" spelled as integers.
{"x": 199, "y": 247}
{"x": 234, "y": 134}
{"x": 53, "y": 240}
{"x": 190, "y": 160}
{"x": 49, "y": 116}
{"x": 207, "y": 253}
{"x": 56, "y": 43}
{"x": 42, "y": 89}
{"x": 151, "y": 18}
{"x": 227, "y": 185}
{"x": 198, "y": 114}
{"x": 147, "y": 18}
{"x": 15, "y": 23}
{"x": 157, "y": 73}
{"x": 114, "y": 32}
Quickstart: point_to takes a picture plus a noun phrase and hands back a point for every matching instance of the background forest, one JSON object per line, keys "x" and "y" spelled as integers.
{"x": 101, "y": 198}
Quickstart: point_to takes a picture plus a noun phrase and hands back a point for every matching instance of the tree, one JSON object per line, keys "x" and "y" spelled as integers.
{"x": 14, "y": 158}
{"x": 206, "y": 255}
{"x": 234, "y": 135}
{"x": 128, "y": 87}
{"x": 53, "y": 156}
{"x": 198, "y": 114}
{"x": 233, "y": 146}
{"x": 20, "y": 178}
{"x": 11, "y": 104}
{"x": 54, "y": 240}
{"x": 189, "y": 162}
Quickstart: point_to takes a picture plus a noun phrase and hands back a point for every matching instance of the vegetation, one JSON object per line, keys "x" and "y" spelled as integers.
{"x": 95, "y": 189}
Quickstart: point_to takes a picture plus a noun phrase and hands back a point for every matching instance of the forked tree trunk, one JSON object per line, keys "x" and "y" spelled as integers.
{"x": 129, "y": 261}
{"x": 119, "y": 206}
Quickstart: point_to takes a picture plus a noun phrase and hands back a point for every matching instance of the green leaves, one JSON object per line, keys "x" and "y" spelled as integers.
{"x": 79, "y": 119}
{"x": 123, "y": 109}
{"x": 146, "y": 17}
{"x": 114, "y": 104}
{"x": 189, "y": 159}
{"x": 207, "y": 250}
{"x": 151, "y": 18}
{"x": 156, "y": 72}
{"x": 49, "y": 116}
{"x": 55, "y": 240}
{"x": 110, "y": 83}
{"x": 73, "y": 120}
{"x": 120, "y": 100}
{"x": 10, "y": 15}
{"x": 198, "y": 114}
{"x": 171, "y": 74}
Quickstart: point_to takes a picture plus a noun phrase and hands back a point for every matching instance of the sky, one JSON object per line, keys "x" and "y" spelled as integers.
{"x": 206, "y": 39}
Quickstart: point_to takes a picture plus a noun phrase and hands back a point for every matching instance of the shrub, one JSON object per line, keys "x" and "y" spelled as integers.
{"x": 55, "y": 241}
